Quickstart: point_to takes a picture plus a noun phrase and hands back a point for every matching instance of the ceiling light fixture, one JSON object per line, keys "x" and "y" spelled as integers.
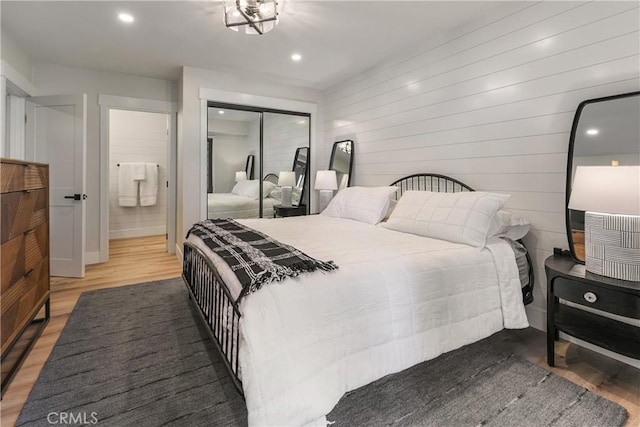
{"x": 255, "y": 16}
{"x": 125, "y": 17}
{"x": 220, "y": 111}
{"x": 592, "y": 131}
{"x": 296, "y": 57}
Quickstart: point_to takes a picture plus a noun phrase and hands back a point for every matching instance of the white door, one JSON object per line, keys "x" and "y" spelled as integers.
{"x": 57, "y": 135}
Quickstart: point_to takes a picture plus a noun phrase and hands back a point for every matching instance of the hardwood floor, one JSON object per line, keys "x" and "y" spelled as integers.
{"x": 130, "y": 261}
{"x": 141, "y": 260}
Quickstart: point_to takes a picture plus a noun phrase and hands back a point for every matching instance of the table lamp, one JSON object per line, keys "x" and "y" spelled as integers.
{"x": 241, "y": 176}
{"x": 326, "y": 182}
{"x": 610, "y": 198}
{"x": 286, "y": 180}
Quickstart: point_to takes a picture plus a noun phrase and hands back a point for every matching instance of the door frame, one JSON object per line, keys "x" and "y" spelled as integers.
{"x": 106, "y": 103}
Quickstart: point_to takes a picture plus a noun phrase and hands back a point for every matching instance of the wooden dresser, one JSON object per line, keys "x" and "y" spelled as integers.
{"x": 24, "y": 255}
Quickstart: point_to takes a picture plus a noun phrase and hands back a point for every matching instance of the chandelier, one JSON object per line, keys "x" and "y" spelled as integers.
{"x": 256, "y": 16}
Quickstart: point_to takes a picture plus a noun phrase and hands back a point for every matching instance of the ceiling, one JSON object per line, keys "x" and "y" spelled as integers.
{"x": 337, "y": 39}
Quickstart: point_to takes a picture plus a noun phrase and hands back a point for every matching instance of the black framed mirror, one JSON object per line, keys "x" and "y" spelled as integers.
{"x": 250, "y": 165}
{"x": 605, "y": 132}
{"x": 341, "y": 161}
{"x": 301, "y": 169}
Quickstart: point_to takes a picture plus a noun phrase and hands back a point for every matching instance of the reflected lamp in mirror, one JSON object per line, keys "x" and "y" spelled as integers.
{"x": 326, "y": 182}
{"x": 241, "y": 176}
{"x": 286, "y": 180}
{"x": 610, "y": 198}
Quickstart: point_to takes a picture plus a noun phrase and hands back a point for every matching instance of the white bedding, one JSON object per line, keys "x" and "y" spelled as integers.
{"x": 229, "y": 205}
{"x": 396, "y": 300}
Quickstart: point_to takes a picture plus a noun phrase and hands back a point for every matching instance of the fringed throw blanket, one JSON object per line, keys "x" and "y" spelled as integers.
{"x": 254, "y": 257}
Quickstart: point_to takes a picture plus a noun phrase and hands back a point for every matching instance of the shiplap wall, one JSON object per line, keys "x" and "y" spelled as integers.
{"x": 493, "y": 107}
{"x": 283, "y": 134}
{"x": 136, "y": 136}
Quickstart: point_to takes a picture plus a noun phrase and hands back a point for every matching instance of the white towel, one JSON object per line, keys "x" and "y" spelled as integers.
{"x": 127, "y": 186}
{"x": 149, "y": 187}
{"x": 139, "y": 171}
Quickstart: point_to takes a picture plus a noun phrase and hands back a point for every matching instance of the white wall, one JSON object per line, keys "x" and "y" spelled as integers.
{"x": 53, "y": 79}
{"x": 493, "y": 107}
{"x": 16, "y": 57}
{"x": 191, "y": 201}
{"x": 282, "y": 135}
{"x": 136, "y": 136}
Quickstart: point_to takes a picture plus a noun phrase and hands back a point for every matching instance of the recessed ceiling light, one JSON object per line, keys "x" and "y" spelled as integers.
{"x": 126, "y": 17}
{"x": 301, "y": 122}
{"x": 592, "y": 131}
{"x": 220, "y": 111}
{"x": 296, "y": 57}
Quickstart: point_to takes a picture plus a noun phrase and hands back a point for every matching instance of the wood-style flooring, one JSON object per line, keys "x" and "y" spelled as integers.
{"x": 144, "y": 259}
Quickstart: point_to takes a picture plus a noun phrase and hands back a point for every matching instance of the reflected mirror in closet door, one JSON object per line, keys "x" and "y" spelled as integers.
{"x": 233, "y": 149}
{"x": 605, "y": 132}
{"x": 342, "y": 162}
{"x": 286, "y": 142}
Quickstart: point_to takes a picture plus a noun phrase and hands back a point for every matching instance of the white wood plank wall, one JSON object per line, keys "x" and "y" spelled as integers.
{"x": 283, "y": 134}
{"x": 136, "y": 136}
{"x": 493, "y": 107}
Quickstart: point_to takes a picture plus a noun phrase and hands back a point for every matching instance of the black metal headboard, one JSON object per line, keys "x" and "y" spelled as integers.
{"x": 445, "y": 184}
{"x": 429, "y": 182}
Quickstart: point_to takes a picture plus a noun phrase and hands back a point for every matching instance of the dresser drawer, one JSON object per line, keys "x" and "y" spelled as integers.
{"x": 22, "y": 211}
{"x": 19, "y": 300}
{"x": 22, "y": 254}
{"x": 18, "y": 177}
{"x": 621, "y": 303}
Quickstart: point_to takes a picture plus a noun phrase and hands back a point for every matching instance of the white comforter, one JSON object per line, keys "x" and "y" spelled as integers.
{"x": 396, "y": 300}
{"x": 229, "y": 205}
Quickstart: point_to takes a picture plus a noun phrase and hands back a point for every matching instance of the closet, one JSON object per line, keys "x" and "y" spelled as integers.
{"x": 249, "y": 149}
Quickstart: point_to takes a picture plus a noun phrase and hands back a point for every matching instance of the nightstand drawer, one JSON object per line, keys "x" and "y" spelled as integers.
{"x": 621, "y": 303}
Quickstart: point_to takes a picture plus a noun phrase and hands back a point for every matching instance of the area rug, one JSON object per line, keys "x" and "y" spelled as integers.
{"x": 136, "y": 355}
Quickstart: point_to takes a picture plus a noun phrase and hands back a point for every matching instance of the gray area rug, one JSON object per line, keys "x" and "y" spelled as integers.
{"x": 136, "y": 355}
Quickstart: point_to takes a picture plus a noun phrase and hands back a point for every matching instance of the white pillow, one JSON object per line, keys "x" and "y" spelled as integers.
{"x": 247, "y": 188}
{"x": 506, "y": 224}
{"x": 267, "y": 188}
{"x": 463, "y": 217}
{"x": 365, "y": 204}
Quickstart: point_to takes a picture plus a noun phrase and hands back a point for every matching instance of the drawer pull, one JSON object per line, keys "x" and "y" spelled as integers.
{"x": 590, "y": 297}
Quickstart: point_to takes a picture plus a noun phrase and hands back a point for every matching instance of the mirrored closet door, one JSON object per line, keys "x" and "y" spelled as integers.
{"x": 258, "y": 162}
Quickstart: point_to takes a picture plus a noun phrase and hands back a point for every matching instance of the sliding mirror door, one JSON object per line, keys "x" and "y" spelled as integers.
{"x": 286, "y": 151}
{"x": 233, "y": 149}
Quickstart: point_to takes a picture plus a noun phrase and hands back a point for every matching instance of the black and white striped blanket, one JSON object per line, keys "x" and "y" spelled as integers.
{"x": 255, "y": 258}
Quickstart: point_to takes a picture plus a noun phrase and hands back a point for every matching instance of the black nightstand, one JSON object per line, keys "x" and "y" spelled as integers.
{"x": 282, "y": 211}
{"x": 570, "y": 281}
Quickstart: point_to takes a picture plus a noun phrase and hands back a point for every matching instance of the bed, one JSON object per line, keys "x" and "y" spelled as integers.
{"x": 229, "y": 205}
{"x": 295, "y": 347}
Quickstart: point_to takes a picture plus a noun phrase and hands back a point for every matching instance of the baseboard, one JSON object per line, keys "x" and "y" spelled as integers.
{"x": 179, "y": 253}
{"x": 137, "y": 232}
{"x": 92, "y": 258}
{"x": 537, "y": 317}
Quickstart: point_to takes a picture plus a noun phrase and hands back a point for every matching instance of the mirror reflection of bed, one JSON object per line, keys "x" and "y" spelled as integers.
{"x": 245, "y": 145}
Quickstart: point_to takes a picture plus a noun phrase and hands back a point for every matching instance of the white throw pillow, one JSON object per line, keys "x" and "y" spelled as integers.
{"x": 247, "y": 188}
{"x": 506, "y": 224}
{"x": 365, "y": 204}
{"x": 463, "y": 217}
{"x": 267, "y": 188}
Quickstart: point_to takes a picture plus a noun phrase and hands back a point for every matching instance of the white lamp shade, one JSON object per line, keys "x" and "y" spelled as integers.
{"x": 606, "y": 189}
{"x": 287, "y": 179}
{"x": 241, "y": 176}
{"x": 326, "y": 180}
